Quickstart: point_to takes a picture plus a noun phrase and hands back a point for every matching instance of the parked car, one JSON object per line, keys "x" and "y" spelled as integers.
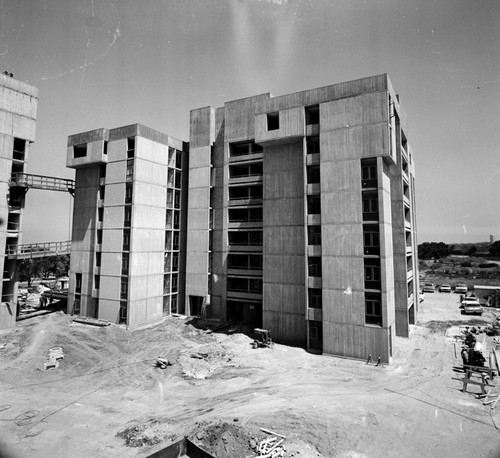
{"x": 472, "y": 308}
{"x": 468, "y": 299}
{"x": 445, "y": 289}
{"x": 428, "y": 288}
{"x": 461, "y": 288}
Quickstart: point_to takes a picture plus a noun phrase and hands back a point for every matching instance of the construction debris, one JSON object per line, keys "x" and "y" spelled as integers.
{"x": 91, "y": 321}
{"x": 54, "y": 356}
{"x": 162, "y": 362}
{"x": 271, "y": 447}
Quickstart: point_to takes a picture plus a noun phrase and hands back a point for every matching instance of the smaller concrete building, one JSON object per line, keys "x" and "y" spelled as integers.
{"x": 18, "y": 109}
{"x": 128, "y": 240}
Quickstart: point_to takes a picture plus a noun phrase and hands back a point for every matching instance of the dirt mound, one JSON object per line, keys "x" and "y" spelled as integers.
{"x": 224, "y": 439}
{"x": 202, "y": 362}
{"x": 147, "y": 432}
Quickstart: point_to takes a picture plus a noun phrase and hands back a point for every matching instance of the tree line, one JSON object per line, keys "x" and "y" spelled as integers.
{"x": 438, "y": 250}
{"x": 51, "y": 266}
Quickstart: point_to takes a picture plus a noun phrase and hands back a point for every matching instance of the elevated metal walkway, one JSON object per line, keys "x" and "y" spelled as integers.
{"x": 29, "y": 181}
{"x": 38, "y": 250}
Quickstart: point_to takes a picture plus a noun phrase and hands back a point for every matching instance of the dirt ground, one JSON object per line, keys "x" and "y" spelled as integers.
{"x": 107, "y": 399}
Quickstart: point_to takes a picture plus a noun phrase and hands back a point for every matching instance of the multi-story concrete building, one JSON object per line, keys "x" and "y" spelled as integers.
{"x": 128, "y": 241}
{"x": 301, "y": 217}
{"x": 18, "y": 108}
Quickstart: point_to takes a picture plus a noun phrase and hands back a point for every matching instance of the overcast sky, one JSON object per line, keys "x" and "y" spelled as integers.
{"x": 100, "y": 63}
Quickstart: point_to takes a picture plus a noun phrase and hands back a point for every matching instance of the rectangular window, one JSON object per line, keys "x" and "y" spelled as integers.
{"x": 312, "y": 115}
{"x": 128, "y": 193}
{"x": 371, "y": 239}
{"x": 314, "y": 266}
{"x": 124, "y": 288}
{"x": 312, "y": 145}
{"x": 19, "y": 149}
{"x": 372, "y": 273}
{"x": 175, "y": 261}
{"x": 176, "y": 241}
{"x": 98, "y": 256}
{"x": 369, "y": 173}
{"x": 370, "y": 207}
{"x": 315, "y": 298}
{"x": 273, "y": 121}
{"x": 129, "y": 174}
{"x": 313, "y": 205}
{"x": 78, "y": 283}
{"x": 125, "y": 263}
{"x": 126, "y": 239}
{"x": 373, "y": 309}
{"x": 99, "y": 237}
{"x": 174, "y": 283}
{"x": 123, "y": 312}
{"x": 174, "y": 304}
{"x": 79, "y": 151}
{"x": 314, "y": 235}
{"x": 100, "y": 214}
{"x": 245, "y": 238}
{"x": 127, "y": 216}
{"x": 244, "y": 149}
{"x": 76, "y": 305}
{"x": 130, "y": 147}
{"x": 97, "y": 281}
{"x": 313, "y": 175}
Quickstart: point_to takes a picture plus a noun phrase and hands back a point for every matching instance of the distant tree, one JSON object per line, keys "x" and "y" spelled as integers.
{"x": 436, "y": 250}
{"x": 472, "y": 250}
{"x": 495, "y": 249}
{"x": 60, "y": 265}
{"x": 27, "y": 270}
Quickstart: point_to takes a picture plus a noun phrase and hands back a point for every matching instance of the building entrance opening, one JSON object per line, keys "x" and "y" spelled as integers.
{"x": 195, "y": 305}
{"x": 246, "y": 312}
{"x": 411, "y": 314}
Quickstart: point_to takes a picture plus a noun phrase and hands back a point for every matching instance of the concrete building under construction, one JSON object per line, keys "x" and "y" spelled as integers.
{"x": 18, "y": 110}
{"x": 128, "y": 239}
{"x": 293, "y": 213}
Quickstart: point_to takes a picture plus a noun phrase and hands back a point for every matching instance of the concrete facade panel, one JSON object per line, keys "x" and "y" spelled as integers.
{"x": 343, "y": 240}
{"x": 343, "y": 273}
{"x": 151, "y": 151}
{"x": 113, "y": 217}
{"x": 341, "y": 207}
{"x": 340, "y": 175}
{"x": 284, "y": 240}
{"x": 146, "y": 216}
{"x": 202, "y": 123}
{"x": 115, "y": 194}
{"x": 199, "y": 157}
{"x": 284, "y": 269}
{"x": 354, "y": 111}
{"x": 111, "y": 265}
{"x": 112, "y": 240}
{"x": 115, "y": 172}
{"x": 109, "y": 310}
{"x": 149, "y": 172}
{"x": 291, "y": 126}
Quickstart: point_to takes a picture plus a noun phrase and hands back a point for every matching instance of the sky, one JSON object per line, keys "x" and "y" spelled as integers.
{"x": 101, "y": 63}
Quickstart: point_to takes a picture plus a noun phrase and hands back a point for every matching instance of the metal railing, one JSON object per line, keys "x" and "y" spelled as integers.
{"x": 26, "y": 180}
{"x": 38, "y": 250}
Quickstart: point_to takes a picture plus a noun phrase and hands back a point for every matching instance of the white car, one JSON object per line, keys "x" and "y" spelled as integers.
{"x": 467, "y": 300}
{"x": 472, "y": 308}
{"x": 461, "y": 288}
{"x": 445, "y": 289}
